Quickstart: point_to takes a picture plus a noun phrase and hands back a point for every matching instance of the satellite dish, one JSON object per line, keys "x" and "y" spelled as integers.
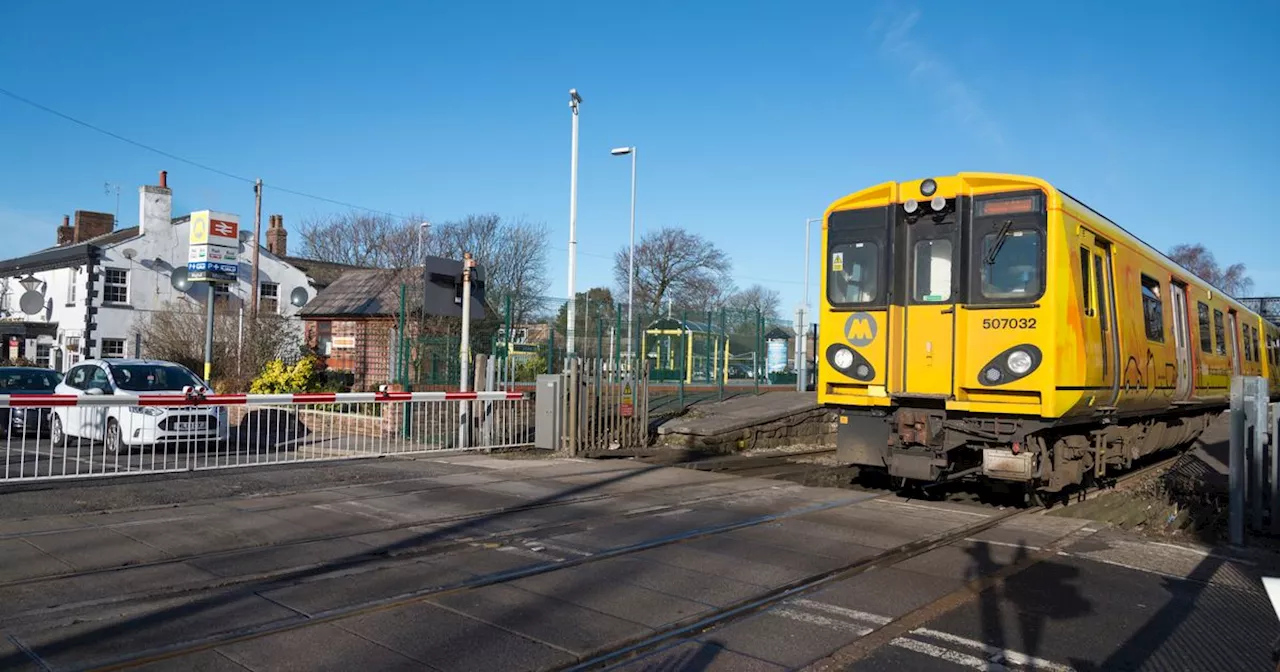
{"x": 129, "y": 253}
{"x": 31, "y": 302}
{"x": 246, "y": 236}
{"x": 298, "y": 297}
{"x": 178, "y": 278}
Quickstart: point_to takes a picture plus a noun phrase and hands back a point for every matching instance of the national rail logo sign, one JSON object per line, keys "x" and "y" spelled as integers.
{"x": 860, "y": 330}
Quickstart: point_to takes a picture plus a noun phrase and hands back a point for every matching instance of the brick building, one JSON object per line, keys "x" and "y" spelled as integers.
{"x": 352, "y": 323}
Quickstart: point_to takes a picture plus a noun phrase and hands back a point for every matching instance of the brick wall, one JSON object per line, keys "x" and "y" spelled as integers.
{"x": 365, "y": 351}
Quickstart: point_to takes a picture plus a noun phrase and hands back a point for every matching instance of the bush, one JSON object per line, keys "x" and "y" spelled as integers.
{"x": 278, "y": 378}
{"x": 527, "y": 370}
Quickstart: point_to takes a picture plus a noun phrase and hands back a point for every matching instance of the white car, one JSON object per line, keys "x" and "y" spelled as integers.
{"x": 125, "y": 426}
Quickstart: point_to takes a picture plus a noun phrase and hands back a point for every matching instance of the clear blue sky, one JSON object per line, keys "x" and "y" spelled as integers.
{"x": 1161, "y": 115}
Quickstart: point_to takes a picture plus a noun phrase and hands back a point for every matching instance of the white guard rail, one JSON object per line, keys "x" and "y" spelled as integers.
{"x": 46, "y": 437}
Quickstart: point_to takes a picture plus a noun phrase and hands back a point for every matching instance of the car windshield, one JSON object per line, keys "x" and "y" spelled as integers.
{"x": 28, "y": 380}
{"x": 152, "y": 377}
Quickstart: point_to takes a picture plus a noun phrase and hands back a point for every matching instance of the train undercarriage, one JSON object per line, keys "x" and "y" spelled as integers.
{"x": 926, "y": 445}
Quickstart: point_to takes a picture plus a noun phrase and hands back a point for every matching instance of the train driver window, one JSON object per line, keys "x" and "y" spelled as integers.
{"x": 1206, "y": 335}
{"x": 1153, "y": 309}
{"x": 932, "y": 271}
{"x": 1220, "y": 332}
{"x": 1011, "y": 264}
{"x": 853, "y": 273}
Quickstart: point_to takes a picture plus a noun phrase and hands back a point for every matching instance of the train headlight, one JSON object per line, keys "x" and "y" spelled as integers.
{"x": 938, "y": 203}
{"x": 1019, "y": 362}
{"x": 843, "y": 358}
{"x": 911, "y": 206}
{"x": 1012, "y": 364}
{"x": 928, "y": 187}
{"x": 850, "y": 362}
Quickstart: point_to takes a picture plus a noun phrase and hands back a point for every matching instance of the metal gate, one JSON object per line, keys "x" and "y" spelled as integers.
{"x": 606, "y": 407}
{"x": 1254, "y": 459}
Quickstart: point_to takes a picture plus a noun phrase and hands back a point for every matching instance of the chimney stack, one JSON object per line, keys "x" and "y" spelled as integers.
{"x": 155, "y": 205}
{"x": 66, "y": 232}
{"x": 277, "y": 237}
{"x": 90, "y": 225}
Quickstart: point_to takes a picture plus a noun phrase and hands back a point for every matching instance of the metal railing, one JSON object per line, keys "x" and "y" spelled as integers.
{"x": 1254, "y": 469}
{"x": 64, "y": 436}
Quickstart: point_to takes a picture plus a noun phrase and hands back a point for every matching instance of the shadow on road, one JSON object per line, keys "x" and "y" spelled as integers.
{"x": 168, "y": 616}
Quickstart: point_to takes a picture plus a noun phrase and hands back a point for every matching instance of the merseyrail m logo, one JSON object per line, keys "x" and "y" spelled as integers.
{"x": 860, "y": 330}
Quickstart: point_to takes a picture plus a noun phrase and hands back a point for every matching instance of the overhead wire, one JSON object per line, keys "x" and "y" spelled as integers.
{"x": 203, "y": 166}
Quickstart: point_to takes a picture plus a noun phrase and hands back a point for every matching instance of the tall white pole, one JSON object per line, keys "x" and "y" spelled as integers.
{"x": 631, "y": 263}
{"x": 802, "y": 331}
{"x": 464, "y": 353}
{"x": 571, "y": 338}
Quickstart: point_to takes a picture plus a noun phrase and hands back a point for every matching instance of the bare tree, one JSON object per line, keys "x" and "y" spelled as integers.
{"x": 1199, "y": 260}
{"x": 513, "y": 254}
{"x": 742, "y": 305}
{"x": 238, "y": 356}
{"x": 361, "y": 239}
{"x": 674, "y": 264}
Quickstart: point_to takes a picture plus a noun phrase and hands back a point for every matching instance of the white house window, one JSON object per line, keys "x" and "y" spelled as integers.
{"x": 115, "y": 287}
{"x": 73, "y": 278}
{"x": 44, "y": 355}
{"x": 221, "y": 293}
{"x": 113, "y": 347}
{"x": 72, "y": 348}
{"x": 269, "y": 297}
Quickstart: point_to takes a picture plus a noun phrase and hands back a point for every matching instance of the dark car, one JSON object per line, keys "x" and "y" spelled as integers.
{"x": 26, "y": 380}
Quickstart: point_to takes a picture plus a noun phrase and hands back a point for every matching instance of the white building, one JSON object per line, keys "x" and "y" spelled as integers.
{"x": 84, "y": 297}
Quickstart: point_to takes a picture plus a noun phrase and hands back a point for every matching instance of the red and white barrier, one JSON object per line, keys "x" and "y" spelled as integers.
{"x": 192, "y": 399}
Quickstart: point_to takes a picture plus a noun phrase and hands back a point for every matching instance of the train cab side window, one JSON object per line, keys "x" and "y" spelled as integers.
{"x": 1085, "y": 294}
{"x": 1253, "y": 340}
{"x": 1244, "y": 339}
{"x": 1220, "y": 332}
{"x": 932, "y": 271}
{"x": 1206, "y": 336}
{"x": 853, "y": 273}
{"x": 1153, "y": 309}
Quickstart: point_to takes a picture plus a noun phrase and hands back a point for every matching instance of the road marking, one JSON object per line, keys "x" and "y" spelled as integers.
{"x": 856, "y": 624}
{"x": 963, "y": 659}
{"x": 935, "y": 509}
{"x": 1003, "y": 543}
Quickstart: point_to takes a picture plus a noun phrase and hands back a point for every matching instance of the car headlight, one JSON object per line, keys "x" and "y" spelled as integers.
{"x": 1019, "y": 362}
{"x": 843, "y": 358}
{"x": 147, "y": 410}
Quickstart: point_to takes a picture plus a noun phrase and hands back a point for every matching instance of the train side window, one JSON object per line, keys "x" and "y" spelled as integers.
{"x": 1220, "y": 332}
{"x": 1244, "y": 339}
{"x": 1153, "y": 309}
{"x": 1206, "y": 335}
{"x": 933, "y": 271}
{"x": 1100, "y": 282}
{"x": 1253, "y": 339}
{"x": 1085, "y": 295}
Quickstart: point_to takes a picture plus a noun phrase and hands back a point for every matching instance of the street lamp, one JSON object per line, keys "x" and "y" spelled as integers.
{"x": 631, "y": 257}
{"x": 574, "y": 101}
{"x": 802, "y": 339}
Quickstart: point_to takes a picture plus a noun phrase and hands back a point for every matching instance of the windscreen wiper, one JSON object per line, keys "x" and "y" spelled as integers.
{"x": 1000, "y": 238}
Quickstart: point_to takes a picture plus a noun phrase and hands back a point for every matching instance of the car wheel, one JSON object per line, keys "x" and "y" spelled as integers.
{"x": 57, "y": 436}
{"x": 113, "y": 436}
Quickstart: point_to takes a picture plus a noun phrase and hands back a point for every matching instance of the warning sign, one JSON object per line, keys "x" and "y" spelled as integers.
{"x": 627, "y": 406}
{"x": 837, "y": 261}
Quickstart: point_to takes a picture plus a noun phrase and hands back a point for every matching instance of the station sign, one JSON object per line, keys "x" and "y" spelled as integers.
{"x": 213, "y": 247}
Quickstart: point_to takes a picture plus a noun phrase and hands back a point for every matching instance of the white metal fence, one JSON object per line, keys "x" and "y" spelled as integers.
{"x": 63, "y": 436}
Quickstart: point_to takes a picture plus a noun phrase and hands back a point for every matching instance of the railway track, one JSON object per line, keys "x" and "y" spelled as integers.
{"x": 815, "y": 582}
{"x": 235, "y": 587}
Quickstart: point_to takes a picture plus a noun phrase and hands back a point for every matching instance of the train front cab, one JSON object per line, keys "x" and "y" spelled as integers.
{"x": 935, "y": 308}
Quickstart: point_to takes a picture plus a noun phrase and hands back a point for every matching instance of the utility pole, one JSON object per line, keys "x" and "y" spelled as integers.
{"x": 257, "y": 226}
{"x": 464, "y": 407}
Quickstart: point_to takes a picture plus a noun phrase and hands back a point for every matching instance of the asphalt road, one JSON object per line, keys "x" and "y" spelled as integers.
{"x": 482, "y": 563}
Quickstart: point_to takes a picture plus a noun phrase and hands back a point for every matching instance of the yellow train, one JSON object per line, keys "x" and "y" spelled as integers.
{"x": 991, "y": 326}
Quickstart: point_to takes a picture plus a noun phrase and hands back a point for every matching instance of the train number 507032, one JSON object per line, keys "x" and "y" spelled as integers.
{"x": 1009, "y": 323}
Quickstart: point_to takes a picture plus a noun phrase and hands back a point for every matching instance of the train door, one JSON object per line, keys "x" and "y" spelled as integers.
{"x": 929, "y": 258}
{"x": 1233, "y": 342}
{"x": 1181, "y": 340}
{"x": 1105, "y": 312}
